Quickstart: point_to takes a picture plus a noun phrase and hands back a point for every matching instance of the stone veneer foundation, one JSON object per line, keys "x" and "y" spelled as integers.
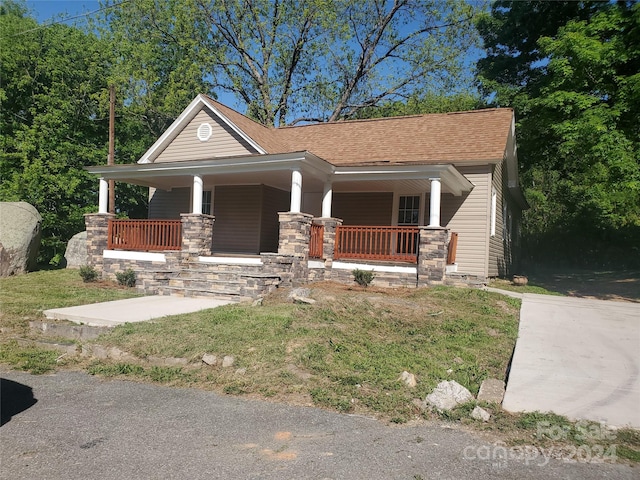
{"x": 182, "y": 272}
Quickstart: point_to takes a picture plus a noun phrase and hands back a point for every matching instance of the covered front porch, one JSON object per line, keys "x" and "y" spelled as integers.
{"x": 289, "y": 218}
{"x": 378, "y": 208}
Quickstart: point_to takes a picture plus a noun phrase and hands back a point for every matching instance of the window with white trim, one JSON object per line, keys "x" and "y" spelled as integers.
{"x": 206, "y": 202}
{"x": 409, "y": 210}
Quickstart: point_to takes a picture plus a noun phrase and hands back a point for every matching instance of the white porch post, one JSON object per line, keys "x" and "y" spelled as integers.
{"x": 103, "y": 196}
{"x": 434, "y": 204}
{"x": 296, "y": 191}
{"x": 326, "y": 200}
{"x": 197, "y": 194}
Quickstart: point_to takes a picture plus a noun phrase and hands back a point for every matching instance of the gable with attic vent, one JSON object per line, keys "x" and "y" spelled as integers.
{"x": 204, "y": 137}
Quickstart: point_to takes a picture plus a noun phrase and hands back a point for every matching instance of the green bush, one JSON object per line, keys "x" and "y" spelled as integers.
{"x": 362, "y": 277}
{"x": 126, "y": 278}
{"x": 88, "y": 273}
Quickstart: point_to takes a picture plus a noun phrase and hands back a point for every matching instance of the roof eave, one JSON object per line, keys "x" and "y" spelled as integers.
{"x": 235, "y": 164}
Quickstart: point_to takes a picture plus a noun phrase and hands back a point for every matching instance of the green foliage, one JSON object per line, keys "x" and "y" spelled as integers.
{"x": 126, "y": 278}
{"x": 363, "y": 277}
{"x": 88, "y": 273}
{"x": 53, "y": 123}
{"x": 429, "y": 103}
{"x": 572, "y": 78}
{"x": 290, "y": 60}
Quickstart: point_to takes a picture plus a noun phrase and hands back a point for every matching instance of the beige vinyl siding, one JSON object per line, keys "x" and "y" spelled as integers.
{"x": 273, "y": 201}
{"x": 222, "y": 143}
{"x": 237, "y": 210}
{"x": 468, "y": 215}
{"x": 363, "y": 208}
{"x": 165, "y": 204}
{"x": 497, "y": 264}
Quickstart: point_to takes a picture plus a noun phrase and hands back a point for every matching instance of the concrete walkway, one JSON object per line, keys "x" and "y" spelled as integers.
{"x": 140, "y": 309}
{"x": 578, "y": 358}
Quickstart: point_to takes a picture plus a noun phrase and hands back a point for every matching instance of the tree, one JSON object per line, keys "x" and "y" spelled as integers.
{"x": 577, "y": 107}
{"x": 430, "y": 103}
{"x": 515, "y": 64}
{"x": 307, "y": 60}
{"x": 52, "y": 123}
{"x": 158, "y": 60}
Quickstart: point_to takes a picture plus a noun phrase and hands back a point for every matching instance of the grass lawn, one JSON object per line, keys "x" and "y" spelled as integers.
{"x": 346, "y": 352}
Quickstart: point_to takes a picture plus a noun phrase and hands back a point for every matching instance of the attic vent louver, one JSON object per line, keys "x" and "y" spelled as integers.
{"x": 204, "y": 132}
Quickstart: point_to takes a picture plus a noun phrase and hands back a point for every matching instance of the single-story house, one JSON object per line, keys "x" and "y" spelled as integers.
{"x": 367, "y": 194}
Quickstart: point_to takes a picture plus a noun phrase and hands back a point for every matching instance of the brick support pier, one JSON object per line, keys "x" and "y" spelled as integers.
{"x": 197, "y": 233}
{"x": 432, "y": 255}
{"x": 97, "y": 225}
{"x": 295, "y": 233}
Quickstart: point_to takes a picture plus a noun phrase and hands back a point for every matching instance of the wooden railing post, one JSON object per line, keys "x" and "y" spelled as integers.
{"x": 316, "y": 241}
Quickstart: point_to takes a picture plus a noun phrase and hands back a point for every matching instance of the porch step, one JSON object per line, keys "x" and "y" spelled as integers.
{"x": 203, "y": 283}
{"x": 207, "y": 293}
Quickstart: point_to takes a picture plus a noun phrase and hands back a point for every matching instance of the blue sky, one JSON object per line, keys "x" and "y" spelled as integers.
{"x": 52, "y": 9}
{"x": 78, "y": 11}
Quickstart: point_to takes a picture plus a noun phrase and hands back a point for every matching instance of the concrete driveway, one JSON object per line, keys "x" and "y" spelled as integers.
{"x": 578, "y": 358}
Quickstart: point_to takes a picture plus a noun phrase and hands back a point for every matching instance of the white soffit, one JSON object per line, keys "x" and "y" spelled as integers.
{"x": 455, "y": 181}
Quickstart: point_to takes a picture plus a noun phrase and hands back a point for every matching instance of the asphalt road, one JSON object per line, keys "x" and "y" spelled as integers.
{"x": 73, "y": 426}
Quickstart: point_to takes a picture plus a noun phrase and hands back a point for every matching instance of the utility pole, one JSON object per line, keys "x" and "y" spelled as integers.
{"x": 112, "y": 141}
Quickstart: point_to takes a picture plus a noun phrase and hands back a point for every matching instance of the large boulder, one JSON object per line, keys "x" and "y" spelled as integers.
{"x": 75, "y": 255}
{"x": 20, "y": 230}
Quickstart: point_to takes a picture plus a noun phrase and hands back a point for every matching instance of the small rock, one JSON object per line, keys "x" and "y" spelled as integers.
{"x": 228, "y": 361}
{"x": 257, "y": 302}
{"x": 408, "y": 378}
{"x": 300, "y": 292}
{"x": 458, "y": 360}
{"x": 209, "y": 359}
{"x": 241, "y": 371}
{"x": 491, "y": 390}
{"x": 450, "y": 371}
{"x": 175, "y": 361}
{"x": 98, "y": 351}
{"x": 419, "y": 403}
{"x": 307, "y": 300}
{"x": 480, "y": 413}
{"x": 448, "y": 394}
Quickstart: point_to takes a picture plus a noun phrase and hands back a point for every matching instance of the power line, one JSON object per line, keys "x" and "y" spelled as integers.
{"x": 63, "y": 20}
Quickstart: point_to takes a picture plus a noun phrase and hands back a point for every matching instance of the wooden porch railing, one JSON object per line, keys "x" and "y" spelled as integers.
{"x": 316, "y": 241}
{"x": 145, "y": 235}
{"x": 377, "y": 243}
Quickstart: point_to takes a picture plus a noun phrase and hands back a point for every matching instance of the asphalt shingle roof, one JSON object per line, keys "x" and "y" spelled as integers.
{"x": 478, "y": 136}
